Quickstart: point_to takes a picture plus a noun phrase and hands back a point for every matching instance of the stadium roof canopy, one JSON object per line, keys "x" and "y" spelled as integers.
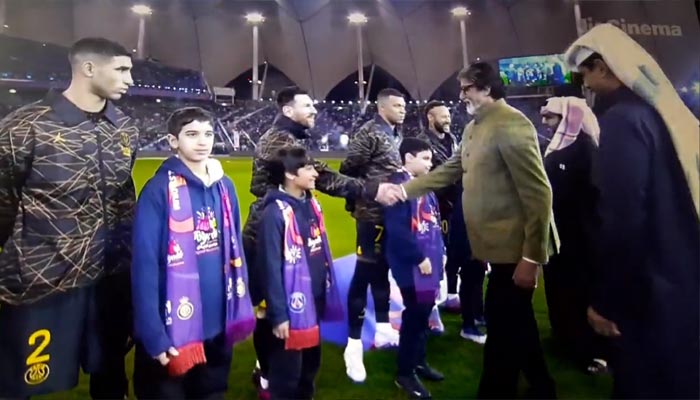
{"x": 311, "y": 41}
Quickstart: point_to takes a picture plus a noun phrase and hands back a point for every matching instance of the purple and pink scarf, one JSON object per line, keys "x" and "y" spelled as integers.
{"x": 183, "y": 305}
{"x": 425, "y": 224}
{"x": 304, "y": 330}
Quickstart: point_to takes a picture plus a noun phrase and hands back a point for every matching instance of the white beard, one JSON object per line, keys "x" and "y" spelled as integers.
{"x": 470, "y": 108}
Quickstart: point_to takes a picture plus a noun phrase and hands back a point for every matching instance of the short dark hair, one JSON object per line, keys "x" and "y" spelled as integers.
{"x": 286, "y": 95}
{"x": 412, "y": 146}
{"x": 590, "y": 61}
{"x": 287, "y": 160}
{"x": 186, "y": 115}
{"x": 432, "y": 104}
{"x": 95, "y": 45}
{"x": 484, "y": 76}
{"x": 384, "y": 93}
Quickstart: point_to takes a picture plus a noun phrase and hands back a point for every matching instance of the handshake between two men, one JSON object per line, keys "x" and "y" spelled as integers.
{"x": 389, "y": 194}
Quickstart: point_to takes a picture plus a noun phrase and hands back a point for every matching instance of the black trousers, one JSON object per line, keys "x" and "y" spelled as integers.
{"x": 513, "y": 343}
{"x": 205, "y": 381}
{"x": 263, "y": 331}
{"x": 655, "y": 361}
{"x": 262, "y": 342}
{"x": 414, "y": 335}
{"x": 566, "y": 289}
{"x": 454, "y": 258}
{"x": 457, "y": 244}
{"x": 371, "y": 269}
{"x": 292, "y": 372}
{"x": 114, "y": 321}
{"x": 471, "y": 292}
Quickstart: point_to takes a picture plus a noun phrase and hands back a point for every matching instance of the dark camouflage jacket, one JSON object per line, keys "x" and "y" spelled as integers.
{"x": 286, "y": 133}
{"x": 373, "y": 155}
{"x": 442, "y": 151}
{"x": 66, "y": 198}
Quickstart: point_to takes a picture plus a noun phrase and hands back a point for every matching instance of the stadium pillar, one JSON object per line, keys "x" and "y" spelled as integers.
{"x": 461, "y": 13}
{"x": 358, "y": 19}
{"x": 141, "y": 39}
{"x": 577, "y": 17}
{"x": 255, "y": 62}
{"x": 463, "y": 30}
{"x": 360, "y": 66}
{"x": 255, "y": 18}
{"x": 2, "y": 15}
{"x": 142, "y": 11}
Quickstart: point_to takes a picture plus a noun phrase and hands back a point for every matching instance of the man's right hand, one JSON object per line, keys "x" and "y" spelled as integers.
{"x": 425, "y": 267}
{"x": 281, "y": 331}
{"x": 525, "y": 275}
{"x": 164, "y": 357}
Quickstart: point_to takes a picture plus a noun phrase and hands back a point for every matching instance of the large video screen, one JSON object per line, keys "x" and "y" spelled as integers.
{"x": 547, "y": 70}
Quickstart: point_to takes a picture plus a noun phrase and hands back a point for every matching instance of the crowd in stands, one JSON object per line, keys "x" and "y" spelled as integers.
{"x": 28, "y": 60}
{"x": 239, "y": 126}
{"x": 42, "y": 66}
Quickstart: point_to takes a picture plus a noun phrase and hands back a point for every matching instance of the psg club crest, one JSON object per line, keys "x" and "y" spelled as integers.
{"x": 297, "y": 302}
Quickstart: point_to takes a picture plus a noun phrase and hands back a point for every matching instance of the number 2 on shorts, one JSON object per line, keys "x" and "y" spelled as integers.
{"x": 43, "y": 337}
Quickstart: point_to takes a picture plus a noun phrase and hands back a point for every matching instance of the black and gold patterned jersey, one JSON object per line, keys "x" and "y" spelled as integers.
{"x": 286, "y": 133}
{"x": 66, "y": 197}
{"x": 373, "y": 155}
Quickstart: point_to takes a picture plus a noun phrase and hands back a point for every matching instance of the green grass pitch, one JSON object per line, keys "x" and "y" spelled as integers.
{"x": 459, "y": 359}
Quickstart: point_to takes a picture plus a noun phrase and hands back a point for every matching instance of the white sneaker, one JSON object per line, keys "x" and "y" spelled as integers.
{"x": 385, "y": 336}
{"x": 354, "y": 367}
{"x": 474, "y": 335}
{"x": 435, "y": 322}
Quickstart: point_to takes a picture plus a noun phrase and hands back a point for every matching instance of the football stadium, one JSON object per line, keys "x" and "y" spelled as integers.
{"x": 410, "y": 199}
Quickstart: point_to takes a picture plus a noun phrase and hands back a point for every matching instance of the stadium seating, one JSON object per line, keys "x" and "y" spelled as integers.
{"x": 31, "y": 68}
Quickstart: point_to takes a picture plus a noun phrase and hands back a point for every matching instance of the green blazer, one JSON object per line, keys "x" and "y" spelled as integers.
{"x": 507, "y": 198}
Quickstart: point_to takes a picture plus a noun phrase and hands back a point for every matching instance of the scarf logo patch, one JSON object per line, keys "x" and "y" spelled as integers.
{"x": 240, "y": 288}
{"x": 423, "y": 227}
{"x": 431, "y": 219}
{"x": 168, "y": 313}
{"x": 206, "y": 233}
{"x": 229, "y": 289}
{"x": 185, "y": 310}
{"x": 297, "y": 302}
{"x": 293, "y": 254}
{"x": 174, "y": 183}
{"x": 315, "y": 240}
{"x": 175, "y": 254}
{"x": 427, "y": 221}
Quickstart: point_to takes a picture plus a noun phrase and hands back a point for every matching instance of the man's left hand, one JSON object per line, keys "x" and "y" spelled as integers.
{"x": 525, "y": 275}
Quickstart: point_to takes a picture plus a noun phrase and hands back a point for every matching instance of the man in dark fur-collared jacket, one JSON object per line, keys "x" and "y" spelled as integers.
{"x": 290, "y": 129}
{"x": 373, "y": 154}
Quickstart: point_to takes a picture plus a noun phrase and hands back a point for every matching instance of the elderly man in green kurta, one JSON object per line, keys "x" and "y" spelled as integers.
{"x": 507, "y": 205}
